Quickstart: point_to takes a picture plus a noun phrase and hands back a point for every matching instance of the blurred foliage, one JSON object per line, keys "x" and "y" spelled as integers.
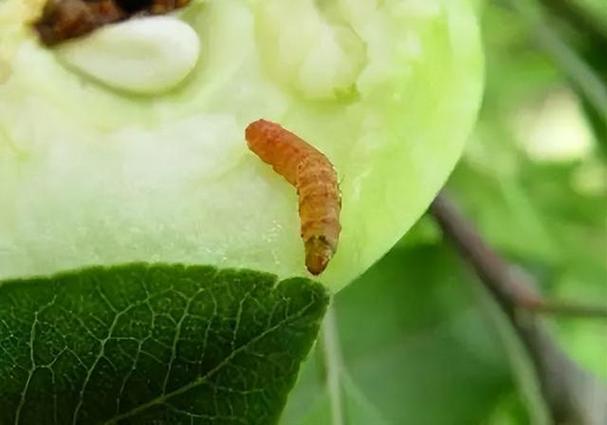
{"x": 541, "y": 203}
{"x": 415, "y": 344}
{"x": 418, "y": 346}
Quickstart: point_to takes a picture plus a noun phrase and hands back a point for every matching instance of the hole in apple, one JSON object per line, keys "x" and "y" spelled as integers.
{"x": 63, "y": 20}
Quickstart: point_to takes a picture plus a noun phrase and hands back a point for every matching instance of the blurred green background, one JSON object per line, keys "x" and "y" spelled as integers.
{"x": 420, "y": 344}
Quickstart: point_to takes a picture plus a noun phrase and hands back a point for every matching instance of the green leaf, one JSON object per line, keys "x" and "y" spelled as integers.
{"x": 162, "y": 344}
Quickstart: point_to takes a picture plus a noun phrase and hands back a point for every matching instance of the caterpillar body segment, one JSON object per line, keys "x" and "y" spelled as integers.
{"x": 315, "y": 179}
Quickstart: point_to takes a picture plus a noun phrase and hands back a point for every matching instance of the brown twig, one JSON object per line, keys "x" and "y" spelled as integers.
{"x": 573, "y": 395}
{"x": 567, "y": 308}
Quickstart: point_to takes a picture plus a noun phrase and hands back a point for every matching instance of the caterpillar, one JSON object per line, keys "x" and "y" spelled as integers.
{"x": 63, "y": 20}
{"x": 315, "y": 179}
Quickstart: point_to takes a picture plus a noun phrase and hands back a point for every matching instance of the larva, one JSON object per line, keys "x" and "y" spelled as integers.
{"x": 315, "y": 179}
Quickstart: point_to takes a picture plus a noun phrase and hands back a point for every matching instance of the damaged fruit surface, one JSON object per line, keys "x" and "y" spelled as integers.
{"x": 95, "y": 173}
{"x": 62, "y": 20}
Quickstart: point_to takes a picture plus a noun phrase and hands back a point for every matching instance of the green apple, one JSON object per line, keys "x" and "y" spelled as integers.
{"x": 121, "y": 147}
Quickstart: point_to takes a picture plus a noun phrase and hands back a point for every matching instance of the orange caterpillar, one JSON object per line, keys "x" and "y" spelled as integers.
{"x": 313, "y": 175}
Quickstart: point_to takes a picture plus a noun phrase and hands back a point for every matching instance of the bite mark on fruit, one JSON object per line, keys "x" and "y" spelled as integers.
{"x": 64, "y": 20}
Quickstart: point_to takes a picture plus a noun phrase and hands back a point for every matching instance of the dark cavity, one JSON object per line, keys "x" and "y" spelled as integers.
{"x": 68, "y": 19}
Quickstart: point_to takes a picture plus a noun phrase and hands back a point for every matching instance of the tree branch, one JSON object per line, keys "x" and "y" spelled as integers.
{"x": 566, "y": 308}
{"x": 573, "y": 395}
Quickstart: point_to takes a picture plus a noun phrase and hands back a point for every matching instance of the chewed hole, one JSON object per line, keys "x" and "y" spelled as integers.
{"x": 64, "y": 20}
{"x": 134, "y": 6}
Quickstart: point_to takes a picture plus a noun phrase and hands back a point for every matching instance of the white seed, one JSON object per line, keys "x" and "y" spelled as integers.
{"x": 146, "y": 55}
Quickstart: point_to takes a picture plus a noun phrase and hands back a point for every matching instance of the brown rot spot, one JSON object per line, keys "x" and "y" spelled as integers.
{"x": 63, "y": 20}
